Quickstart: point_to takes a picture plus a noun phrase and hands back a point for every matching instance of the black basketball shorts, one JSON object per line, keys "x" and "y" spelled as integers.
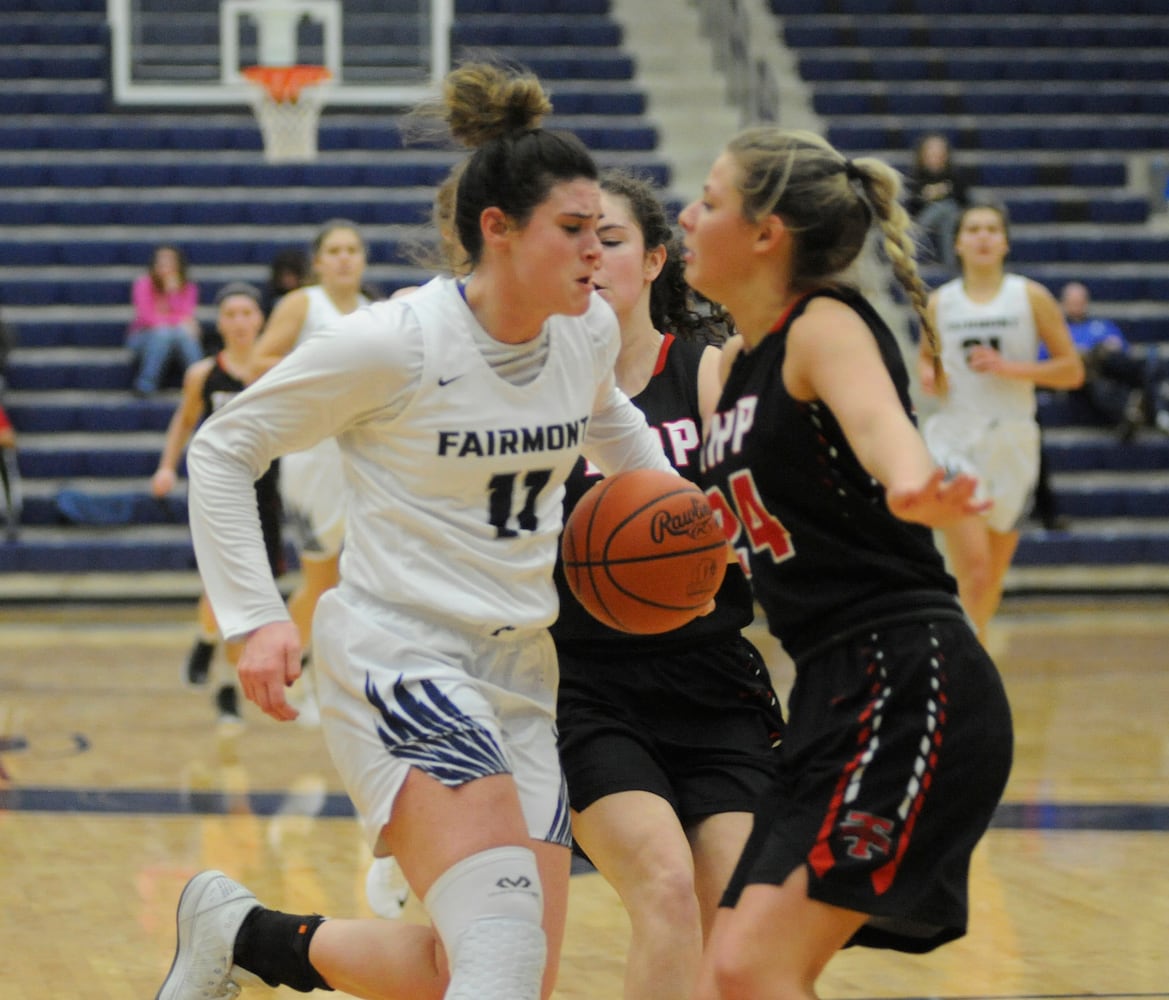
{"x": 897, "y": 750}
{"x": 696, "y": 725}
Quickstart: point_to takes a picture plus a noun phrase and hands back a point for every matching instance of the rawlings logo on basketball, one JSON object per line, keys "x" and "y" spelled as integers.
{"x": 694, "y": 522}
{"x": 642, "y": 551}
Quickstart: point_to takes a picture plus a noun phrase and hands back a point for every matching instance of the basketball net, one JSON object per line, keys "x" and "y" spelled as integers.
{"x": 287, "y": 101}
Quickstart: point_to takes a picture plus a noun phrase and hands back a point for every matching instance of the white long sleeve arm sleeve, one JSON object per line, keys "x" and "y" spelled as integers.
{"x": 618, "y": 437}
{"x": 329, "y": 383}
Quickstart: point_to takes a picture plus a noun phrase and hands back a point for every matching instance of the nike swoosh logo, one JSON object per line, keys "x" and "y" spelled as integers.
{"x": 448, "y": 381}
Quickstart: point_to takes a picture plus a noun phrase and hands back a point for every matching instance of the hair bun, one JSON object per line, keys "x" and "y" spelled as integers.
{"x": 485, "y": 102}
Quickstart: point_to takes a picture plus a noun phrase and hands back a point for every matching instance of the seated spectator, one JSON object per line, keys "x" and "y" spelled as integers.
{"x": 9, "y": 479}
{"x": 935, "y": 196}
{"x": 9, "y": 470}
{"x": 289, "y": 269}
{"x": 1121, "y": 388}
{"x": 164, "y": 325}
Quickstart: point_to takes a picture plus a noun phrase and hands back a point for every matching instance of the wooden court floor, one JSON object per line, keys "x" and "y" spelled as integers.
{"x": 116, "y": 784}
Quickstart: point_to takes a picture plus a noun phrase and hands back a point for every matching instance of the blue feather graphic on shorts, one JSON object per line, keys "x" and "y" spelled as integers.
{"x": 560, "y": 831}
{"x": 431, "y": 733}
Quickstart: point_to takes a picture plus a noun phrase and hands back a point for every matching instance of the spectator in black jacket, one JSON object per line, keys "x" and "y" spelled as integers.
{"x": 935, "y": 196}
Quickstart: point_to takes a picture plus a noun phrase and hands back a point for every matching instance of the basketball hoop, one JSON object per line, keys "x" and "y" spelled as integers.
{"x": 287, "y": 102}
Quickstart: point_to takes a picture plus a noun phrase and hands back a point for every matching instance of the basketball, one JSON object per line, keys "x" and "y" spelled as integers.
{"x": 643, "y": 552}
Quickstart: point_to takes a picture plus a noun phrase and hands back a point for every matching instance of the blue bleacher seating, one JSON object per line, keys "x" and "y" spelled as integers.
{"x": 102, "y": 185}
{"x": 998, "y": 80}
{"x": 1051, "y": 106}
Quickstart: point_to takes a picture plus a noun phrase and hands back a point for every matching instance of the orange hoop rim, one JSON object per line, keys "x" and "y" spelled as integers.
{"x": 284, "y": 83}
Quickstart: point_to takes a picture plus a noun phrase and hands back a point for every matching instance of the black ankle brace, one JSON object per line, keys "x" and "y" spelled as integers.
{"x": 274, "y": 946}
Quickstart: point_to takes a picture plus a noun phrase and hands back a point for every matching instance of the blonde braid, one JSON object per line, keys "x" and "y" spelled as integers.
{"x": 883, "y": 186}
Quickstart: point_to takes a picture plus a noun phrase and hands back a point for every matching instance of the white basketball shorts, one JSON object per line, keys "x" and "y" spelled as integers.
{"x": 1002, "y": 453}
{"x": 397, "y": 691}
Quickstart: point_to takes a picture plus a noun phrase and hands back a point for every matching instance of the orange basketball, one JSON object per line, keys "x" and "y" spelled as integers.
{"x": 643, "y": 552}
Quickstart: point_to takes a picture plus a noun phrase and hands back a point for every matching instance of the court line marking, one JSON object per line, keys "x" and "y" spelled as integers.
{"x": 1039, "y": 816}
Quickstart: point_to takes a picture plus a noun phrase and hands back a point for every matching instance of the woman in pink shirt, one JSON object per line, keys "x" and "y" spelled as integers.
{"x": 164, "y": 324}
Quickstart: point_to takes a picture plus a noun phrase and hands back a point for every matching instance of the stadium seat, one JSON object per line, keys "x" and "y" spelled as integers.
{"x": 104, "y": 185}
{"x": 1053, "y": 107}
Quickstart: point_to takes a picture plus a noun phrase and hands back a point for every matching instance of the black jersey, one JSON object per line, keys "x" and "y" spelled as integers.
{"x": 825, "y": 553}
{"x": 670, "y": 404}
{"x": 220, "y": 388}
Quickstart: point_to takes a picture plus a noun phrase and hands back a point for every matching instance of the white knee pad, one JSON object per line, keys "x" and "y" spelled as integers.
{"x": 488, "y": 910}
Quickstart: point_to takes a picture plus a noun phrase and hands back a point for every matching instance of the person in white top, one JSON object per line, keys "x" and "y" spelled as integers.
{"x": 309, "y": 479}
{"x": 459, "y": 411}
{"x": 991, "y": 323}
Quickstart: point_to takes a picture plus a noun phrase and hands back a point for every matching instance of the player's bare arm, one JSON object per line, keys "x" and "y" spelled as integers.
{"x": 280, "y": 333}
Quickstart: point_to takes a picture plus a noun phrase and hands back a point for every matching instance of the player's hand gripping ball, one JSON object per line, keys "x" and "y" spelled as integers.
{"x": 643, "y": 552}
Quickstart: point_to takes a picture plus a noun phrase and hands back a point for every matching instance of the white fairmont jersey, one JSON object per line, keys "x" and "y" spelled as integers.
{"x": 455, "y": 475}
{"x": 1005, "y": 323}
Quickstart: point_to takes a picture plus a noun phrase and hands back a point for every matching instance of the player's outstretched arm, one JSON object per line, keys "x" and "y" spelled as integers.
{"x": 938, "y": 501}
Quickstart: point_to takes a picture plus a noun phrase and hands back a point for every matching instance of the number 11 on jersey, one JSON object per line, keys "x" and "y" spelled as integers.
{"x": 501, "y": 495}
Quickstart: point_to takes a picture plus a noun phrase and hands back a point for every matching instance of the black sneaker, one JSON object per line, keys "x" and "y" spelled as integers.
{"x": 227, "y": 704}
{"x": 198, "y": 666}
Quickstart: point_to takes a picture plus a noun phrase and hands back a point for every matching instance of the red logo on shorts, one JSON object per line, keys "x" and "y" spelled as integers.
{"x": 867, "y": 835}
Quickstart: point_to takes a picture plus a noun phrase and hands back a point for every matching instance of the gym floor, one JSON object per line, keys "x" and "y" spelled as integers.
{"x": 117, "y": 784}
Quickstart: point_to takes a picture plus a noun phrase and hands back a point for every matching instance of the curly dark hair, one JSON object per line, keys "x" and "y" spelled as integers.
{"x": 673, "y": 305}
